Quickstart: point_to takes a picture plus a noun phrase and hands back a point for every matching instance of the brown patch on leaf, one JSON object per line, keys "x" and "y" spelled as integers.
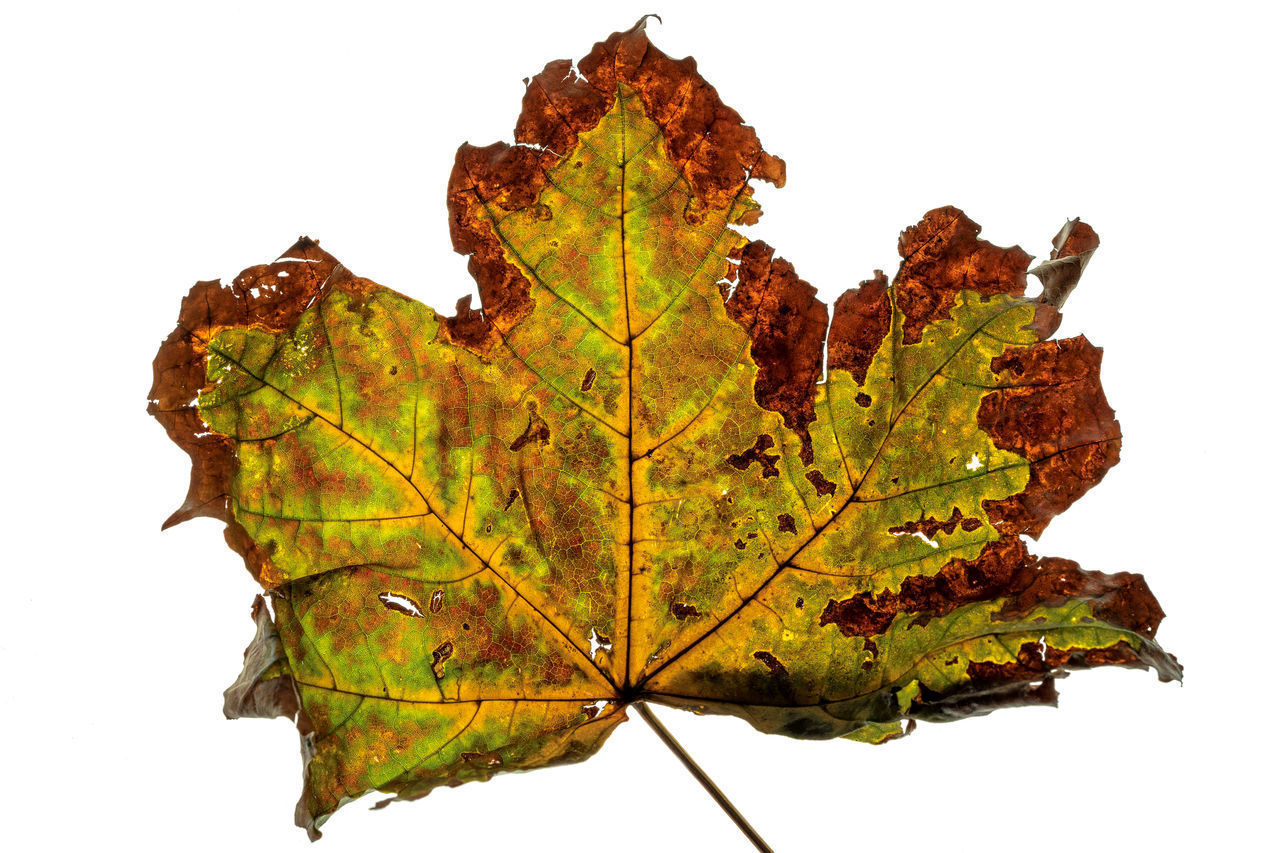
{"x": 439, "y": 655}
{"x": 859, "y": 325}
{"x": 537, "y": 430}
{"x": 1121, "y": 599}
{"x": 715, "y": 150}
{"x": 943, "y": 255}
{"x": 1005, "y": 570}
{"x": 683, "y": 611}
{"x": 756, "y": 453}
{"x": 270, "y": 297}
{"x": 437, "y": 601}
{"x": 589, "y": 379}
{"x": 1055, "y": 415}
{"x": 787, "y": 323}
{"x": 931, "y": 526}
{"x": 1036, "y": 662}
{"x": 1000, "y": 566}
{"x": 786, "y": 523}
{"x": 821, "y": 484}
{"x": 1046, "y": 321}
{"x": 775, "y": 665}
{"x": 467, "y": 327}
{"x": 488, "y": 182}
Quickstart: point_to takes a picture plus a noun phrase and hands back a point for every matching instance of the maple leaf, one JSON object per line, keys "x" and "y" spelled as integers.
{"x": 622, "y": 479}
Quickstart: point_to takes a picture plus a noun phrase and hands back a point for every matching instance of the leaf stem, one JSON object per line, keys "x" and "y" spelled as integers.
{"x": 689, "y": 764}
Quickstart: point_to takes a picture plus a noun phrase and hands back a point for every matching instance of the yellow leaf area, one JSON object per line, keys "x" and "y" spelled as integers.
{"x": 478, "y": 557}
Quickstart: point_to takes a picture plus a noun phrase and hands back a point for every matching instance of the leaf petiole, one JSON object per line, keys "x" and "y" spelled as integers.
{"x": 716, "y": 794}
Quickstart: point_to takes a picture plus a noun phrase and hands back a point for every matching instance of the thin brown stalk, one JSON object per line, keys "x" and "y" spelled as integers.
{"x": 689, "y": 764}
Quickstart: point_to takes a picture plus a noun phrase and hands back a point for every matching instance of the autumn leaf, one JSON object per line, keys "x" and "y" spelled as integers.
{"x": 632, "y": 473}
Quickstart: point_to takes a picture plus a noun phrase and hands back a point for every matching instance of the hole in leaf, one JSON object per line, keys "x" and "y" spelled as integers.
{"x": 598, "y": 641}
{"x": 400, "y": 603}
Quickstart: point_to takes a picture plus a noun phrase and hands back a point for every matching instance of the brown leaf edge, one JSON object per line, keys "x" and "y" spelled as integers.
{"x": 1073, "y": 246}
{"x": 1049, "y": 408}
{"x": 270, "y": 297}
{"x": 717, "y": 153}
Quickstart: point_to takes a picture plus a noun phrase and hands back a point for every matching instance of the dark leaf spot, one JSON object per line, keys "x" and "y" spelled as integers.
{"x": 537, "y": 430}
{"x": 683, "y": 611}
{"x": 442, "y": 653}
{"x": 821, "y": 484}
{"x": 931, "y": 527}
{"x": 775, "y": 666}
{"x": 756, "y": 453}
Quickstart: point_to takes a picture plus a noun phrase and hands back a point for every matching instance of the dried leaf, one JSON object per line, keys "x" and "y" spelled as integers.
{"x": 621, "y": 478}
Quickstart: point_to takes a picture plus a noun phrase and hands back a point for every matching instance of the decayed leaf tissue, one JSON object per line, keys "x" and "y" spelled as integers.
{"x": 624, "y": 477}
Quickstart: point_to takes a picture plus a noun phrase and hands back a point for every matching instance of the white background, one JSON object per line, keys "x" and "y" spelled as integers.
{"x": 146, "y": 146}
